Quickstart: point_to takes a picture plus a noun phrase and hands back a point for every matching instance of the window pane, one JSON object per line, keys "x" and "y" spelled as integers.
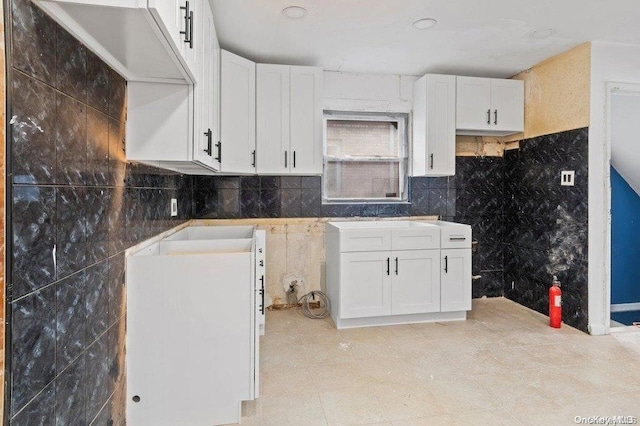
{"x": 360, "y": 179}
{"x": 362, "y": 138}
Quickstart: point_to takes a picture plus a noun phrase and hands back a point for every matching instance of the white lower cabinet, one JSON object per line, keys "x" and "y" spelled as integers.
{"x": 382, "y": 273}
{"x": 455, "y": 287}
{"x": 192, "y": 327}
{"x": 390, "y": 283}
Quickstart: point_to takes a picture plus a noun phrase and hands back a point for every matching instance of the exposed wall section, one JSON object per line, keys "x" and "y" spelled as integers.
{"x": 557, "y": 93}
{"x": 77, "y": 205}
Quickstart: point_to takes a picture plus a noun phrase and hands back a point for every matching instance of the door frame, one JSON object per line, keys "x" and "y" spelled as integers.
{"x": 611, "y": 89}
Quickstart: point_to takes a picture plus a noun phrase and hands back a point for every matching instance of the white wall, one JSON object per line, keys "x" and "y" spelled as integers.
{"x": 368, "y": 92}
{"x": 625, "y": 138}
{"x": 609, "y": 63}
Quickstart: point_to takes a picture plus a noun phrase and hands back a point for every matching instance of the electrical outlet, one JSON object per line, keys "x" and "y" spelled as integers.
{"x": 174, "y": 207}
{"x": 567, "y": 177}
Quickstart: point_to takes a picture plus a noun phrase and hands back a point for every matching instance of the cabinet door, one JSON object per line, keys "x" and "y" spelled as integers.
{"x": 216, "y": 89}
{"x": 365, "y": 284}
{"x": 507, "y": 105}
{"x": 238, "y": 114}
{"x": 455, "y": 281}
{"x": 434, "y": 125}
{"x": 272, "y": 114}
{"x": 306, "y": 120}
{"x": 172, "y": 18}
{"x": 204, "y": 126}
{"x": 416, "y": 282}
{"x": 473, "y": 103}
{"x": 441, "y": 126}
{"x": 180, "y": 21}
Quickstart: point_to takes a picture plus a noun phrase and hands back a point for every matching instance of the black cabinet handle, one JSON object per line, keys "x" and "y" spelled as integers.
{"x": 209, "y": 135}
{"x": 188, "y": 25}
{"x": 488, "y": 116}
{"x": 190, "y": 31}
{"x": 262, "y": 295}
{"x": 457, "y": 238}
{"x": 431, "y": 161}
{"x": 388, "y": 265}
{"x": 253, "y": 155}
{"x": 446, "y": 264}
{"x": 219, "y": 157}
{"x": 396, "y": 266}
{"x": 294, "y": 159}
{"x": 285, "y": 159}
{"x": 495, "y": 114}
{"x": 187, "y": 15}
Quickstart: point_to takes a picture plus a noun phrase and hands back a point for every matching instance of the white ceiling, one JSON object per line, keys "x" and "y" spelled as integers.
{"x": 472, "y": 37}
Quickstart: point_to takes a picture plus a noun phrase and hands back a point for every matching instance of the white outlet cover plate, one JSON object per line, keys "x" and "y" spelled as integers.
{"x": 567, "y": 177}
{"x": 174, "y": 207}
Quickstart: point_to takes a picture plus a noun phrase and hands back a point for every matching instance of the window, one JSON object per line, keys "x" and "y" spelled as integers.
{"x": 365, "y": 157}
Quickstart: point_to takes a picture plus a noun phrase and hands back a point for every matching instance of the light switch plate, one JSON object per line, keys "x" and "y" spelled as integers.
{"x": 567, "y": 177}
{"x": 174, "y": 207}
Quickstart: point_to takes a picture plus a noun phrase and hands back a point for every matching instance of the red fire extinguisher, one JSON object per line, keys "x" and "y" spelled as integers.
{"x": 555, "y": 304}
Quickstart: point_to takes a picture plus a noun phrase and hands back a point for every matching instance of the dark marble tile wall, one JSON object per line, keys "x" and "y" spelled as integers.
{"x": 301, "y": 196}
{"x": 77, "y": 205}
{"x": 479, "y": 186}
{"x": 545, "y": 231}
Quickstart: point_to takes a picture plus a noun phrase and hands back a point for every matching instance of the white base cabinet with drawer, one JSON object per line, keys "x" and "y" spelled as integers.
{"x": 381, "y": 273}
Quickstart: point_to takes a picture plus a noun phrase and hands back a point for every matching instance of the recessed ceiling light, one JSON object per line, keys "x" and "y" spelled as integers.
{"x": 294, "y": 12}
{"x": 424, "y": 24}
{"x": 541, "y": 33}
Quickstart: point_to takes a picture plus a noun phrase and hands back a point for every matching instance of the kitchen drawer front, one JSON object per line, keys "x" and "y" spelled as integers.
{"x": 365, "y": 240}
{"x": 416, "y": 238}
{"x": 456, "y": 237}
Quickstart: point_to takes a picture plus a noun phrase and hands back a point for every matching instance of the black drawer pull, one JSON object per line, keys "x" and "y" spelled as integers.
{"x": 262, "y": 294}
{"x": 457, "y": 238}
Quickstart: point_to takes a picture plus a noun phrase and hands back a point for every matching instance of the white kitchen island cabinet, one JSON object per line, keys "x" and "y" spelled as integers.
{"x": 192, "y": 328}
{"x": 392, "y": 272}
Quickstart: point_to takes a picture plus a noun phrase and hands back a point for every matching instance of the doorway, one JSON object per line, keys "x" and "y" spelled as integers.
{"x": 625, "y": 204}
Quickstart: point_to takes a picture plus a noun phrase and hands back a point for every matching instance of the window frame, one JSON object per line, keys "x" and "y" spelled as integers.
{"x": 402, "y": 123}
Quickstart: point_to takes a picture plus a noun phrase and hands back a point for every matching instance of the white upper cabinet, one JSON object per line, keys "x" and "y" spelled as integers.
{"x": 489, "y": 106}
{"x": 180, "y": 20}
{"x": 206, "y": 124}
{"x": 289, "y": 120}
{"x": 306, "y": 120}
{"x": 434, "y": 126}
{"x": 236, "y": 148}
{"x": 272, "y": 114}
{"x": 144, "y": 40}
{"x": 176, "y": 126}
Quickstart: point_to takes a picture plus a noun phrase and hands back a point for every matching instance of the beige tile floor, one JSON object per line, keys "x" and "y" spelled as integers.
{"x": 503, "y": 366}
